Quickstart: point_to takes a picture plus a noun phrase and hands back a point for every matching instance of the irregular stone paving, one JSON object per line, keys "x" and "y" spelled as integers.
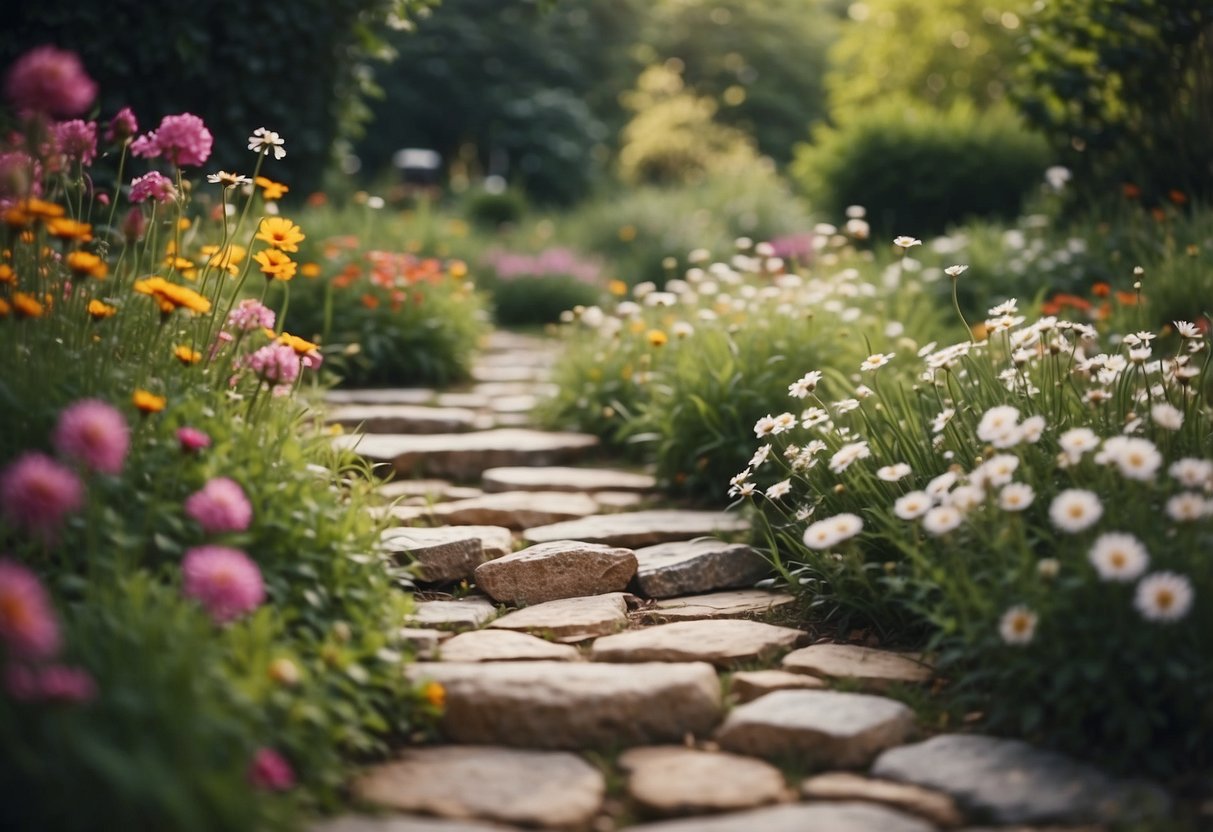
{"x": 634, "y": 691}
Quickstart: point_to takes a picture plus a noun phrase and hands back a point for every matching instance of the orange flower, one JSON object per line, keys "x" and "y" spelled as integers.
{"x": 435, "y": 694}
{"x": 1127, "y": 298}
{"x": 98, "y": 310}
{"x": 1177, "y": 196}
{"x": 458, "y": 269}
{"x": 370, "y": 301}
{"x": 41, "y": 209}
{"x": 5, "y": 308}
{"x": 16, "y": 218}
{"x": 1101, "y": 290}
{"x": 66, "y": 228}
{"x": 86, "y": 263}
{"x": 275, "y": 265}
{"x": 657, "y": 338}
{"x": 317, "y": 199}
{"x": 186, "y": 267}
{"x": 270, "y": 190}
{"x": 617, "y": 288}
{"x": 27, "y": 306}
{"x": 280, "y": 233}
{"x": 186, "y": 355}
{"x": 299, "y": 345}
{"x": 171, "y": 296}
{"x": 148, "y": 402}
{"x": 7, "y": 275}
{"x": 310, "y": 270}
{"x": 1130, "y": 190}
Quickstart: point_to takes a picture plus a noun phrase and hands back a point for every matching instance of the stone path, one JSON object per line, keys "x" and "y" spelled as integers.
{"x": 607, "y": 662}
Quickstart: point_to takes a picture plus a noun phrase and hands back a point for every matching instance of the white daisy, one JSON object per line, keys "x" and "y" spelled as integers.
{"x": 267, "y": 142}
{"x": 913, "y": 505}
{"x": 779, "y": 489}
{"x": 1031, "y": 429}
{"x": 999, "y": 426}
{"x": 1163, "y": 596}
{"x": 1187, "y": 507}
{"x": 845, "y": 526}
{"x": 805, "y": 385}
{"x": 1167, "y": 416}
{"x": 845, "y": 406}
{"x": 1008, "y": 307}
{"x": 1018, "y": 625}
{"x": 955, "y": 271}
{"x": 784, "y": 422}
{"x": 760, "y": 456}
{"x": 941, "y": 520}
{"x": 1136, "y": 458}
{"x": 941, "y": 419}
{"x": 996, "y": 471}
{"x": 1077, "y": 441}
{"x": 940, "y": 485}
{"x": 1192, "y": 472}
{"x": 1048, "y": 568}
{"x": 1075, "y": 509}
{"x": 847, "y": 454}
{"x": 1187, "y": 329}
{"x": 820, "y": 535}
{"x": 764, "y": 426}
{"x": 904, "y": 242}
{"x": 892, "y": 473}
{"x": 1016, "y": 496}
{"x": 875, "y": 361}
{"x": 813, "y": 417}
{"x": 227, "y": 180}
{"x": 965, "y": 498}
{"x": 1118, "y": 557}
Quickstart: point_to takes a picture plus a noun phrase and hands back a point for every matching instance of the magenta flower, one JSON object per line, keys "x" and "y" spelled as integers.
{"x": 220, "y": 506}
{"x": 122, "y": 126}
{"x": 270, "y": 771}
{"x": 36, "y": 493}
{"x": 27, "y": 622}
{"x": 249, "y": 315}
{"x": 134, "y": 224}
{"x": 224, "y": 580}
{"x": 192, "y": 439}
{"x": 182, "y": 138}
{"x": 154, "y": 185}
{"x": 94, "y": 433}
{"x": 275, "y": 363}
{"x": 53, "y": 683}
{"x": 77, "y": 140}
{"x": 49, "y": 80}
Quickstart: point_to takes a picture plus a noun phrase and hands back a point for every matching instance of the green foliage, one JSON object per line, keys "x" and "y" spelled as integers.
{"x": 541, "y": 299}
{"x": 235, "y": 63}
{"x": 1125, "y": 89}
{"x": 924, "y": 169}
{"x": 493, "y": 210}
{"x": 933, "y": 52}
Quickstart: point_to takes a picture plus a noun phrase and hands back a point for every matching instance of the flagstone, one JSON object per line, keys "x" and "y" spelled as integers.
{"x": 402, "y": 418}
{"x": 503, "y": 646}
{"x": 748, "y": 685}
{"x": 403, "y": 823}
{"x": 813, "y": 817}
{"x": 938, "y": 808}
{"x": 738, "y": 603}
{"x": 450, "y": 553}
{"x": 464, "y": 456}
{"x": 516, "y": 509}
{"x": 671, "y": 780}
{"x": 691, "y": 566}
{"x": 388, "y": 395}
{"x": 564, "y": 478}
{"x": 455, "y": 614}
{"x": 641, "y": 528}
{"x": 869, "y": 668}
{"x": 724, "y": 643}
{"x": 560, "y": 569}
{"x": 570, "y": 619}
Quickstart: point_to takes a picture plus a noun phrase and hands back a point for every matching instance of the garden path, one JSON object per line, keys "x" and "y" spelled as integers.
{"x": 614, "y": 667}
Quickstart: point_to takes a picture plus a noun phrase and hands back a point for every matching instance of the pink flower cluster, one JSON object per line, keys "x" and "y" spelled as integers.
{"x": 77, "y": 140}
{"x": 270, "y": 771}
{"x": 51, "y": 683}
{"x": 224, "y": 580}
{"x": 183, "y": 139}
{"x": 274, "y": 364}
{"x": 122, "y": 126}
{"x": 94, "y": 433}
{"x": 154, "y": 185}
{"x": 220, "y": 506}
{"x": 37, "y": 493}
{"x": 49, "y": 80}
{"x": 192, "y": 439}
{"x": 250, "y": 315}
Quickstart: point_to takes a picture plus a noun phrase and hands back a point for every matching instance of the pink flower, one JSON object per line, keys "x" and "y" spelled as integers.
{"x": 122, "y": 126}
{"x": 49, "y": 80}
{"x": 275, "y": 363}
{"x": 250, "y": 315}
{"x": 77, "y": 140}
{"x": 270, "y": 771}
{"x": 192, "y": 439}
{"x": 154, "y": 185}
{"x": 36, "y": 493}
{"x": 134, "y": 224}
{"x": 94, "y": 433}
{"x": 182, "y": 138}
{"x": 27, "y": 622}
{"x": 20, "y": 175}
{"x": 220, "y": 506}
{"x": 224, "y": 580}
{"x": 53, "y": 683}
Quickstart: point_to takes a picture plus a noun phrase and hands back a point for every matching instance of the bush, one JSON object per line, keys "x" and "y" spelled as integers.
{"x": 537, "y": 289}
{"x": 913, "y": 167}
{"x": 493, "y": 210}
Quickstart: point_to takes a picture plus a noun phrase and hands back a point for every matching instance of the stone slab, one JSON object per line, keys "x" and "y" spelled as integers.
{"x": 933, "y": 806}
{"x": 402, "y": 418}
{"x": 573, "y": 705}
{"x": 504, "y": 371}
{"x": 869, "y": 668}
{"x": 570, "y": 619}
{"x": 670, "y": 780}
{"x": 641, "y": 528}
{"x": 612, "y": 501}
{"x": 748, "y": 685}
{"x": 516, "y": 403}
{"x": 687, "y": 567}
{"x": 496, "y": 645}
{"x": 433, "y": 490}
{"x": 819, "y": 817}
{"x": 1011, "y": 782}
{"x": 560, "y": 569}
{"x": 464, "y": 456}
{"x": 564, "y": 478}
{"x": 516, "y": 509}
{"x": 817, "y": 727}
{"x": 388, "y": 395}
{"x": 547, "y": 789}
{"x": 421, "y": 641}
{"x": 739, "y": 603}
{"x": 401, "y": 823}
{"x": 724, "y": 643}
{"x": 448, "y": 554}
{"x": 454, "y": 614}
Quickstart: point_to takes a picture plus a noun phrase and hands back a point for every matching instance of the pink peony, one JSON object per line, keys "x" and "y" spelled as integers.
{"x": 182, "y": 138}
{"x": 49, "y": 80}
{"x": 220, "y": 506}
{"x": 154, "y": 185}
{"x": 270, "y": 771}
{"x": 94, "y": 433}
{"x": 275, "y": 363}
{"x": 36, "y": 493}
{"x": 250, "y": 315}
{"x": 224, "y": 580}
{"x": 122, "y": 126}
{"x": 53, "y": 683}
{"x": 27, "y": 622}
{"x": 77, "y": 140}
{"x": 192, "y": 439}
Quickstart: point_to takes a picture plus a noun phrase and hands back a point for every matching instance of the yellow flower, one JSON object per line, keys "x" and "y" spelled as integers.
{"x": 227, "y": 259}
{"x": 657, "y": 338}
{"x": 186, "y": 355}
{"x": 86, "y": 263}
{"x": 435, "y": 694}
{"x": 148, "y": 402}
{"x": 270, "y": 190}
{"x": 310, "y": 270}
{"x": 459, "y": 269}
{"x": 275, "y": 265}
{"x": 299, "y": 345}
{"x": 41, "y": 209}
{"x": 27, "y": 306}
{"x": 617, "y": 288}
{"x": 183, "y": 223}
{"x": 280, "y": 233}
{"x": 171, "y": 296}
{"x": 66, "y": 228}
{"x": 98, "y": 310}
{"x": 7, "y": 275}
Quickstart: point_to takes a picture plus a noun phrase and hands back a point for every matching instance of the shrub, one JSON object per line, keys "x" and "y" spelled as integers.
{"x": 537, "y": 289}
{"x": 493, "y": 210}
{"x": 914, "y": 167}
